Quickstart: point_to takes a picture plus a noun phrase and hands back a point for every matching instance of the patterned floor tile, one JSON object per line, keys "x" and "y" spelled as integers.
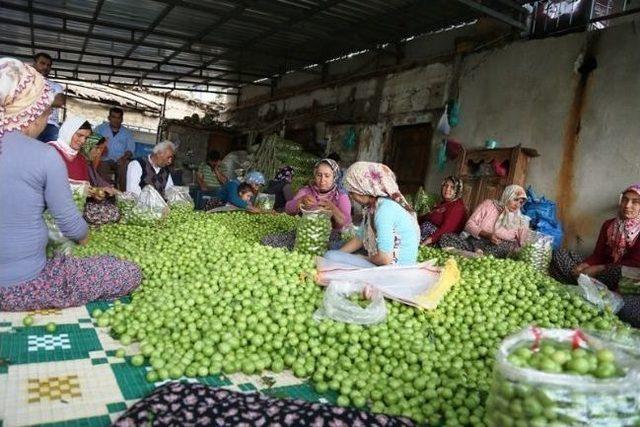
{"x": 59, "y": 391}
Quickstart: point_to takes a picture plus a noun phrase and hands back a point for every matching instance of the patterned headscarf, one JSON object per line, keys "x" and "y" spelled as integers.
{"x": 622, "y": 233}
{"x": 335, "y": 168}
{"x": 284, "y": 174}
{"x": 67, "y": 130}
{"x": 457, "y": 186}
{"x": 375, "y": 180}
{"x": 507, "y": 219}
{"x": 24, "y": 95}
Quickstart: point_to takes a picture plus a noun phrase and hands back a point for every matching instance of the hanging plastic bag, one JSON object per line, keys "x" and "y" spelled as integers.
{"x": 441, "y": 159}
{"x": 265, "y": 201}
{"x": 420, "y": 285}
{"x": 313, "y": 232}
{"x": 537, "y": 252}
{"x": 598, "y": 294}
{"x": 524, "y": 395}
{"x": 178, "y": 196}
{"x": 443, "y": 124}
{"x": 349, "y": 141}
{"x": 453, "y": 113}
{"x": 352, "y": 302}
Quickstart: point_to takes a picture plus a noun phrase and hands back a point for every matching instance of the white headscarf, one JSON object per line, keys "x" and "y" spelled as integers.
{"x": 67, "y": 130}
{"x": 507, "y": 219}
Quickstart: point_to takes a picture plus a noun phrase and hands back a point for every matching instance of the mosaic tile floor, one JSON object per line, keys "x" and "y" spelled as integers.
{"x": 71, "y": 377}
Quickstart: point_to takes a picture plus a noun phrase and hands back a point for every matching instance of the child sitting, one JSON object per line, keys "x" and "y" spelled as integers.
{"x": 245, "y": 192}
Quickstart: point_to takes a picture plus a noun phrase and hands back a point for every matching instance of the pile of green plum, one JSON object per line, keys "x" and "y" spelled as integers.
{"x": 312, "y": 235}
{"x": 560, "y": 383}
{"x": 537, "y": 252}
{"x": 213, "y": 299}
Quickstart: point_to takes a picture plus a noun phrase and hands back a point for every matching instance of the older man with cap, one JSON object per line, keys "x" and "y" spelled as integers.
{"x": 34, "y": 178}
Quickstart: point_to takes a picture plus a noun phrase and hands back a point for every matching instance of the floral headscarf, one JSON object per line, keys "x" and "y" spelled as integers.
{"x": 24, "y": 95}
{"x": 284, "y": 174}
{"x": 507, "y": 219}
{"x": 375, "y": 180}
{"x": 457, "y": 186}
{"x": 67, "y": 130}
{"x": 622, "y": 233}
{"x": 335, "y": 168}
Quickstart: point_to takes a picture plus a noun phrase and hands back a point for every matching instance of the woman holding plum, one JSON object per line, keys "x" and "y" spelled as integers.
{"x": 389, "y": 231}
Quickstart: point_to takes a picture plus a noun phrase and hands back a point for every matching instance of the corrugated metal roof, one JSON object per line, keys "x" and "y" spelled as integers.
{"x": 214, "y": 45}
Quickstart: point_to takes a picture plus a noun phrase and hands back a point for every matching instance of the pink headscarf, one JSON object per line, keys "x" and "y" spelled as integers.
{"x": 24, "y": 95}
{"x": 622, "y": 233}
{"x": 375, "y": 180}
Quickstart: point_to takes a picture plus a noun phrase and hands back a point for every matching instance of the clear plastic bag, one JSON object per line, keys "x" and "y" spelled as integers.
{"x": 630, "y": 281}
{"x": 313, "y": 232}
{"x": 341, "y": 304}
{"x": 537, "y": 252}
{"x": 58, "y": 243}
{"x": 598, "y": 294}
{"x": 126, "y": 203}
{"x": 79, "y": 192}
{"x": 149, "y": 208}
{"x": 522, "y": 395}
{"x": 179, "y": 197}
{"x": 265, "y": 201}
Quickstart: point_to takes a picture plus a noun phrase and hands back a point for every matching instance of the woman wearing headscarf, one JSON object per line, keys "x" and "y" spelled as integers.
{"x": 496, "y": 227}
{"x": 448, "y": 216}
{"x": 32, "y": 178}
{"x": 72, "y": 137}
{"x": 323, "y": 192}
{"x": 280, "y": 186}
{"x": 618, "y": 246}
{"x": 389, "y": 233}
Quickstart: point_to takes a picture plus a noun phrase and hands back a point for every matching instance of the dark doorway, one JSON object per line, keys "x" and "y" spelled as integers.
{"x": 409, "y": 156}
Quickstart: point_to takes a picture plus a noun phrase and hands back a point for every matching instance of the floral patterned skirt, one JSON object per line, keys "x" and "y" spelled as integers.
{"x": 183, "y": 404}
{"x": 68, "y": 281}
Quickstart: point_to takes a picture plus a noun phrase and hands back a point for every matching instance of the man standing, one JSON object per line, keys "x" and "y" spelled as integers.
{"x": 120, "y": 147}
{"x": 152, "y": 170}
{"x": 42, "y": 62}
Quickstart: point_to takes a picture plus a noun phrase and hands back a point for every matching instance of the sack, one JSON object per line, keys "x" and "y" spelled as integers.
{"x": 313, "y": 232}
{"x": 149, "y": 207}
{"x": 537, "y": 252}
{"x": 420, "y": 285}
{"x": 630, "y": 281}
{"x": 265, "y": 202}
{"x": 126, "y": 202}
{"x": 179, "y": 197}
{"x": 598, "y": 294}
{"x": 527, "y": 396}
{"x": 341, "y": 303}
{"x": 543, "y": 214}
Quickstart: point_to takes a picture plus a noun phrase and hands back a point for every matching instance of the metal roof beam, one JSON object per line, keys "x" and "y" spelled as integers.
{"x": 96, "y": 13}
{"x": 186, "y": 89}
{"x": 502, "y": 17}
{"x": 144, "y": 36}
{"x": 113, "y": 58}
{"x": 219, "y": 22}
{"x": 127, "y": 40}
{"x": 33, "y": 37}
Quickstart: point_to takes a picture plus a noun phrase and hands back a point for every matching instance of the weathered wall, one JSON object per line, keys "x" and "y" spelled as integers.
{"x": 525, "y": 93}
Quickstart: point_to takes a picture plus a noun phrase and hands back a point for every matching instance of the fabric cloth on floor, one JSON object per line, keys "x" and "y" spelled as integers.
{"x": 473, "y": 244}
{"x": 349, "y": 259}
{"x": 98, "y": 213}
{"x": 71, "y": 282}
{"x": 183, "y": 404}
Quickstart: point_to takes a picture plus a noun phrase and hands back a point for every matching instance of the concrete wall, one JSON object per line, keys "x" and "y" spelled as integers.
{"x": 525, "y": 93}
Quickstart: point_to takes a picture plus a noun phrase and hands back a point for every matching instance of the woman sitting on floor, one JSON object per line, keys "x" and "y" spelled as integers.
{"x": 32, "y": 178}
{"x": 71, "y": 139}
{"x": 280, "y": 186}
{"x": 447, "y": 216}
{"x": 389, "y": 232}
{"x": 495, "y": 228}
{"x": 618, "y": 245}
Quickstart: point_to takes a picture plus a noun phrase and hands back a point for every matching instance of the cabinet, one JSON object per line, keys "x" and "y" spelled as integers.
{"x": 486, "y": 172}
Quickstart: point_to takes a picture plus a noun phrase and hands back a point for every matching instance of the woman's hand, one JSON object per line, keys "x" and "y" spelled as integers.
{"x": 427, "y": 241}
{"x": 580, "y": 268}
{"x": 336, "y": 213}
{"x": 110, "y": 191}
{"x": 495, "y": 239}
{"x": 306, "y": 202}
{"x": 594, "y": 270}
